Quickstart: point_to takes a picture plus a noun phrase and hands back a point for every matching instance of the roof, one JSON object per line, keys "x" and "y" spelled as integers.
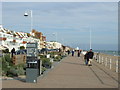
{"x": 2, "y": 47}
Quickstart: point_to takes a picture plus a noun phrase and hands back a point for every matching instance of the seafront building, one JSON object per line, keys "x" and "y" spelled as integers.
{"x": 53, "y": 45}
{"x": 11, "y": 39}
{"x": 39, "y": 36}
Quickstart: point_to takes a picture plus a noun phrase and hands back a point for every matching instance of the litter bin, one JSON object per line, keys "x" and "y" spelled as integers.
{"x": 32, "y": 71}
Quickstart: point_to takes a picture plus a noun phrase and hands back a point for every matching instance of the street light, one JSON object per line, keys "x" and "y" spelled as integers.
{"x": 90, "y": 41}
{"x": 90, "y": 37}
{"x": 27, "y": 14}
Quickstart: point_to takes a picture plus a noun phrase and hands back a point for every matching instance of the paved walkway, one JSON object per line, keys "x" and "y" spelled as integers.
{"x": 71, "y": 72}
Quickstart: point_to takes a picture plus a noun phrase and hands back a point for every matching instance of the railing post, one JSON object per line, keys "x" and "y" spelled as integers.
{"x": 110, "y": 64}
{"x": 99, "y": 59}
{"x": 116, "y": 65}
{"x": 106, "y": 62}
{"x": 102, "y": 60}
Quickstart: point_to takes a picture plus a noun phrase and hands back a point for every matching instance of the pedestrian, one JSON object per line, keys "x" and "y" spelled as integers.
{"x": 68, "y": 52}
{"x": 13, "y": 52}
{"x": 90, "y": 55}
{"x": 59, "y": 50}
{"x": 86, "y": 58}
{"x": 73, "y": 52}
{"x": 79, "y": 51}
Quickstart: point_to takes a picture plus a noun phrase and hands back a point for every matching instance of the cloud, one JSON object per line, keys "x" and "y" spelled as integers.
{"x": 0, "y": 13}
{"x": 61, "y": 1}
{"x": 72, "y": 21}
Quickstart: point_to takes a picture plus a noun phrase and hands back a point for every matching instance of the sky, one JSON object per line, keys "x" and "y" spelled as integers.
{"x": 67, "y": 22}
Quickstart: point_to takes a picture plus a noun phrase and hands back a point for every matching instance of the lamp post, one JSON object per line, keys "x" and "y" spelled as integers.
{"x": 26, "y": 14}
{"x": 90, "y": 37}
{"x": 90, "y": 41}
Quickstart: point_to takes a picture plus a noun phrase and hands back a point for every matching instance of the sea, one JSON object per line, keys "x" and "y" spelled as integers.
{"x": 109, "y": 52}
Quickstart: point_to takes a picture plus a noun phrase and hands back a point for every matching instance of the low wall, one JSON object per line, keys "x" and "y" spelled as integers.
{"x": 108, "y": 61}
{"x": 18, "y": 59}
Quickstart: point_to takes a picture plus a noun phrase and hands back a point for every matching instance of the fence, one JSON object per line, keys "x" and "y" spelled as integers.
{"x": 108, "y": 61}
{"x": 18, "y": 59}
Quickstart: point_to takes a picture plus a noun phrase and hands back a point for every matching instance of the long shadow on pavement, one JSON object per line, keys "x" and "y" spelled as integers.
{"x": 74, "y": 63}
{"x": 20, "y": 79}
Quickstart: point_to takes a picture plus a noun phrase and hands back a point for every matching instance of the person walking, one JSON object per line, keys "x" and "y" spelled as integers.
{"x": 13, "y": 52}
{"x": 68, "y": 52}
{"x": 79, "y": 52}
{"x": 72, "y": 52}
{"x": 90, "y": 55}
{"x": 86, "y": 58}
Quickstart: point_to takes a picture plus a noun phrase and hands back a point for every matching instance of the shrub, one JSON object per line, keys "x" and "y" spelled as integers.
{"x": 43, "y": 70}
{"x": 46, "y": 63}
{"x": 16, "y": 70}
{"x": 6, "y": 64}
{"x": 12, "y": 72}
{"x": 0, "y": 65}
{"x": 22, "y": 47}
{"x": 8, "y": 59}
{"x": 8, "y": 69}
{"x": 42, "y": 56}
{"x": 58, "y": 58}
{"x": 5, "y": 51}
{"x": 21, "y": 69}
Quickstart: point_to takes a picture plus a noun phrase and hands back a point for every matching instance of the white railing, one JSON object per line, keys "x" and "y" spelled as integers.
{"x": 108, "y": 61}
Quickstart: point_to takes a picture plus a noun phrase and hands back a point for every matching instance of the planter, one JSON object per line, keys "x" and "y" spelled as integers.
{"x": 14, "y": 41}
{"x": 4, "y": 39}
{"x": 24, "y": 42}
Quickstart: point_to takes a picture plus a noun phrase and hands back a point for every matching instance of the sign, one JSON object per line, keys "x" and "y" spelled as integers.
{"x": 31, "y": 45}
{"x": 31, "y": 49}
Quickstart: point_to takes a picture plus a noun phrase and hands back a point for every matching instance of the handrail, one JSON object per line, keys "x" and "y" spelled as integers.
{"x": 108, "y": 61}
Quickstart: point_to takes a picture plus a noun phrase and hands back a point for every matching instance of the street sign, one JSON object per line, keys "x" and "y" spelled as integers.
{"x": 32, "y": 50}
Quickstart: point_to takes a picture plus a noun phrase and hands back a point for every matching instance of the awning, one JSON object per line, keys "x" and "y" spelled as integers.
{"x": 2, "y": 47}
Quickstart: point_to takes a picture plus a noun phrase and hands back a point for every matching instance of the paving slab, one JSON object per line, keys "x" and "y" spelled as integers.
{"x": 71, "y": 72}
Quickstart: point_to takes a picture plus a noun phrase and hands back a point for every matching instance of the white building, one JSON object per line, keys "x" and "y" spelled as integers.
{"x": 12, "y": 39}
{"x": 54, "y": 45}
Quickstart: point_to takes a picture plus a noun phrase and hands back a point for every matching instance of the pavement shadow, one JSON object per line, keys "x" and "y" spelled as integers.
{"x": 98, "y": 77}
{"x": 75, "y": 63}
{"x": 20, "y": 79}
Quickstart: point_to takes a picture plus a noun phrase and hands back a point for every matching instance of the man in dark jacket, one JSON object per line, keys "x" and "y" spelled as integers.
{"x": 86, "y": 57}
{"x": 13, "y": 52}
{"x": 90, "y": 55}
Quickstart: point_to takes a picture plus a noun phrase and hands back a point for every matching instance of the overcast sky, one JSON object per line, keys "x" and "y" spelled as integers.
{"x": 72, "y": 21}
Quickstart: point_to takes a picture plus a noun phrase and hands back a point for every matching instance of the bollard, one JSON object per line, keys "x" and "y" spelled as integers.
{"x": 40, "y": 67}
{"x": 117, "y": 66}
{"x": 102, "y": 60}
{"x": 99, "y": 59}
{"x": 95, "y": 57}
{"x": 106, "y": 62}
{"x": 110, "y": 63}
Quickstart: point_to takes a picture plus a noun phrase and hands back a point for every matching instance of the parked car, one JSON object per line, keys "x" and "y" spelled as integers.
{"x": 24, "y": 51}
{"x": 43, "y": 50}
{"x": 53, "y": 50}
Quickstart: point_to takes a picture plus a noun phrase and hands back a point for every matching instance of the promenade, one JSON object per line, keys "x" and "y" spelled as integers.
{"x": 71, "y": 72}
